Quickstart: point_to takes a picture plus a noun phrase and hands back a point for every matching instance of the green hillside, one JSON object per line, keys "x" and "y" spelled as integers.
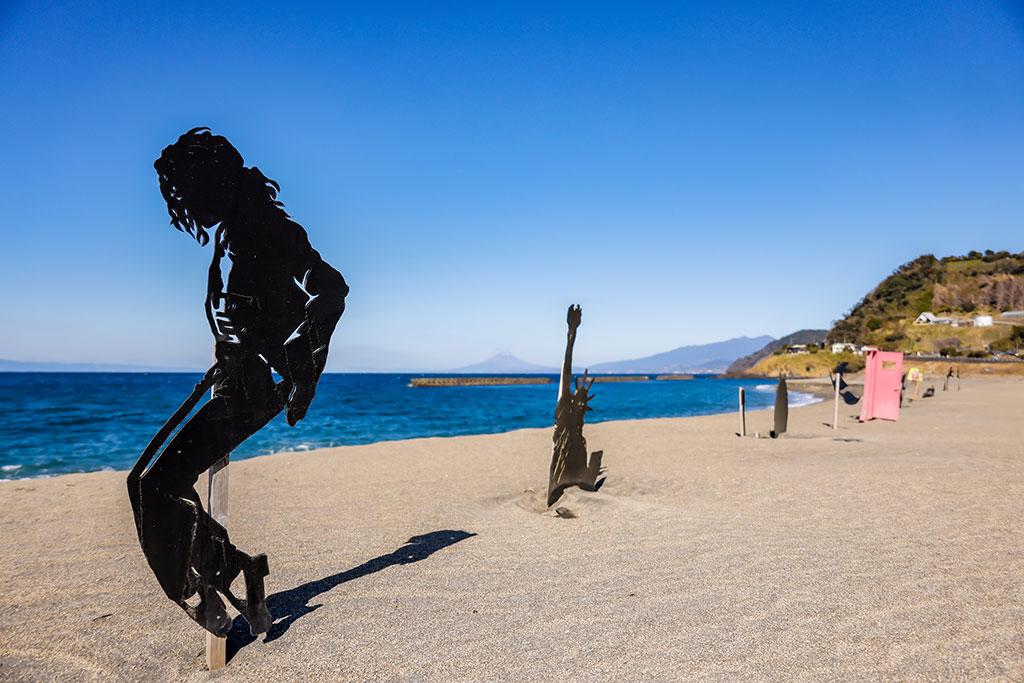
{"x": 954, "y": 286}
{"x": 740, "y": 366}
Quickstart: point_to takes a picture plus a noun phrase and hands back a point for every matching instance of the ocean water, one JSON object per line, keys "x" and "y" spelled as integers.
{"x": 55, "y": 423}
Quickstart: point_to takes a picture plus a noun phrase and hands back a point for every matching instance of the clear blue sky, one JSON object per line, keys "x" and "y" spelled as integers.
{"x": 686, "y": 173}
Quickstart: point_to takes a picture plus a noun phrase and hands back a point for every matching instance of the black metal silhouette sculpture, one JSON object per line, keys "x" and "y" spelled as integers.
{"x": 849, "y": 398}
{"x": 569, "y": 465}
{"x": 272, "y": 304}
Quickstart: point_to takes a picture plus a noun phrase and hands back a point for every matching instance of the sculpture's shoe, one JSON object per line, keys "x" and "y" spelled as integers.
{"x": 258, "y": 615}
{"x": 256, "y": 612}
{"x": 210, "y": 612}
{"x": 254, "y": 608}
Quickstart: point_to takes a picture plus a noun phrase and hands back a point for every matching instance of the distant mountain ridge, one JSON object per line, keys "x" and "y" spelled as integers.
{"x": 709, "y": 358}
{"x": 7, "y": 365}
{"x": 506, "y": 363}
{"x": 799, "y": 337}
{"x": 699, "y": 358}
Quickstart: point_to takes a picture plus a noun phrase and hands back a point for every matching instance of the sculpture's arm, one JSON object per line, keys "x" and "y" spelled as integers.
{"x": 573, "y": 317}
{"x": 326, "y": 289}
{"x": 306, "y": 349}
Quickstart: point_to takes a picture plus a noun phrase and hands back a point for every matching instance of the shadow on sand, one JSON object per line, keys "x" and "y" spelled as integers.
{"x": 290, "y": 605}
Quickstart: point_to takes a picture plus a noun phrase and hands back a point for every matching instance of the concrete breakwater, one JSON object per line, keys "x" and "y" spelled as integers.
{"x": 620, "y": 378}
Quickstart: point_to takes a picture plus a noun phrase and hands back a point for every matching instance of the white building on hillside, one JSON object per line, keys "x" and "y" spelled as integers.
{"x": 929, "y": 318}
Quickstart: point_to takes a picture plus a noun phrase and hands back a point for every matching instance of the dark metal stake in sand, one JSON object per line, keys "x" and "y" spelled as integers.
{"x": 835, "y": 414}
{"x": 743, "y": 412}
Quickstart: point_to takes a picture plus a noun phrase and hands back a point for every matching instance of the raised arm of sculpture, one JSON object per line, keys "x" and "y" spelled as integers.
{"x": 573, "y": 317}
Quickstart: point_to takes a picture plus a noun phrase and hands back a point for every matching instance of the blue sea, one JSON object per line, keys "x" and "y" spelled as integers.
{"x": 56, "y": 423}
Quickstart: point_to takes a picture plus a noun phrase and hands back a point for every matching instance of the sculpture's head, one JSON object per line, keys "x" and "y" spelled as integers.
{"x": 202, "y": 179}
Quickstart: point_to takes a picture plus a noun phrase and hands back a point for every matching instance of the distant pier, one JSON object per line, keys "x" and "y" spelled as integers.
{"x": 672, "y": 377}
{"x": 620, "y": 378}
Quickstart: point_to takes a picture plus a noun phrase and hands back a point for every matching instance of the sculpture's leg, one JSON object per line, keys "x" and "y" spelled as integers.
{"x": 595, "y": 472}
{"x": 187, "y": 549}
{"x": 574, "y": 470}
{"x": 210, "y": 612}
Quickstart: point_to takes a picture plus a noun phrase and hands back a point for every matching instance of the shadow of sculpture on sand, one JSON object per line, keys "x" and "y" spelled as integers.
{"x": 290, "y": 605}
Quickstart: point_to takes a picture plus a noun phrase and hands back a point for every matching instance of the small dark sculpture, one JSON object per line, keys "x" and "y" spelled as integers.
{"x": 781, "y": 417}
{"x": 272, "y": 304}
{"x": 849, "y": 398}
{"x": 569, "y": 465}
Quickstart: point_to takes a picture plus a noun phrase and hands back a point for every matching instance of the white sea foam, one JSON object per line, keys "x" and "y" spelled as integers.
{"x": 9, "y": 468}
{"x": 35, "y": 476}
{"x": 797, "y": 399}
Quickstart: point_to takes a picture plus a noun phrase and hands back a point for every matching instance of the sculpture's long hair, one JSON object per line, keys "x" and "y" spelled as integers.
{"x": 201, "y": 158}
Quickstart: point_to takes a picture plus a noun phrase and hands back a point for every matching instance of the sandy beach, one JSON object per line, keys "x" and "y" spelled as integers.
{"x": 877, "y": 551}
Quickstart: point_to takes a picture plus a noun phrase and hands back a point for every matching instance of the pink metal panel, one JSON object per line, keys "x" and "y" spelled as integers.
{"x": 882, "y": 375}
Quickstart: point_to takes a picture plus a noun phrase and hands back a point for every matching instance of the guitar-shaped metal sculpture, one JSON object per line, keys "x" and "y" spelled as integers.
{"x": 569, "y": 463}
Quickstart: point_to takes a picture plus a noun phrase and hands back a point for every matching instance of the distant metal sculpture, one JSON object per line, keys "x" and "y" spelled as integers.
{"x": 272, "y": 304}
{"x": 569, "y": 464}
{"x": 781, "y": 413}
{"x": 849, "y": 398}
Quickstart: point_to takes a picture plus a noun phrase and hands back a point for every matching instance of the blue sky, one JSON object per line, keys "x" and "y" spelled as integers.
{"x": 686, "y": 173}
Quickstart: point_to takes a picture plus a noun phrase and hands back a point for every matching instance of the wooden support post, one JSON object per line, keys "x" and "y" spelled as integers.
{"x": 835, "y": 415}
{"x": 217, "y": 504}
{"x": 743, "y": 412}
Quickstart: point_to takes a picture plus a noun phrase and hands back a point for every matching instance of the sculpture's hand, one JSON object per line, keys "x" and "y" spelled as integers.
{"x": 298, "y": 402}
{"x": 574, "y": 316}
